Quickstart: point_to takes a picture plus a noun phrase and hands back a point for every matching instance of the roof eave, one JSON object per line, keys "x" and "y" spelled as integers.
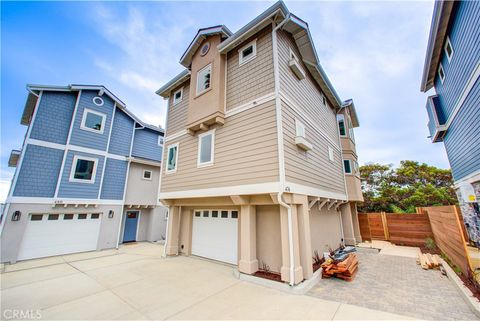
{"x": 165, "y": 90}
{"x": 353, "y": 112}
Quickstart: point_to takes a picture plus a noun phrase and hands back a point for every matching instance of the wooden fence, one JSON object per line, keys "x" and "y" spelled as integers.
{"x": 442, "y": 223}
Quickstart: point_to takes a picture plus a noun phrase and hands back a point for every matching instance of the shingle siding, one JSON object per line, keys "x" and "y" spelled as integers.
{"x": 53, "y": 118}
{"x": 80, "y": 190}
{"x": 122, "y": 132}
{"x": 39, "y": 172}
{"x": 145, "y": 145}
{"x": 89, "y": 139}
{"x": 114, "y": 179}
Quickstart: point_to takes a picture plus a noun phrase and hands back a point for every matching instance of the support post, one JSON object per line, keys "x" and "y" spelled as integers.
{"x": 305, "y": 239}
{"x": 248, "y": 262}
{"x": 173, "y": 230}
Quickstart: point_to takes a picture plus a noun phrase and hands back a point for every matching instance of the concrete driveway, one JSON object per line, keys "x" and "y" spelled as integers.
{"x": 135, "y": 283}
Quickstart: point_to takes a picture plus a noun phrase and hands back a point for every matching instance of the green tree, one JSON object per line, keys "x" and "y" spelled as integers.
{"x": 401, "y": 189}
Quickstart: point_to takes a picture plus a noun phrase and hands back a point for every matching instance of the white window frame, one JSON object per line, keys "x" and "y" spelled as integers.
{"x": 342, "y": 116}
{"x": 98, "y": 98}
{"x": 241, "y": 59}
{"x": 299, "y": 124}
{"x": 442, "y": 79}
{"x": 448, "y": 43}
{"x": 84, "y": 119}
{"x": 167, "y": 171}
{"x": 160, "y": 140}
{"x": 146, "y": 178}
{"x": 212, "y": 149}
{"x": 292, "y": 55}
{"x": 331, "y": 155}
{"x": 76, "y": 158}
{"x": 209, "y": 66}
{"x": 176, "y": 101}
{"x": 351, "y": 167}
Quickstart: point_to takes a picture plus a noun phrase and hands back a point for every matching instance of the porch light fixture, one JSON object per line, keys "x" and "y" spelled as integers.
{"x": 110, "y": 214}
{"x": 16, "y": 216}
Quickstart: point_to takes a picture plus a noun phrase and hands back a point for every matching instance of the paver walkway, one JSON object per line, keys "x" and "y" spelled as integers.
{"x": 397, "y": 285}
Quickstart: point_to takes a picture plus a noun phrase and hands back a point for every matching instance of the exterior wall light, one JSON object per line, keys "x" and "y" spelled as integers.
{"x": 16, "y": 216}
{"x": 110, "y": 214}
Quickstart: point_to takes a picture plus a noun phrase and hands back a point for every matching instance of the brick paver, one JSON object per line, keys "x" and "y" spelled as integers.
{"x": 398, "y": 285}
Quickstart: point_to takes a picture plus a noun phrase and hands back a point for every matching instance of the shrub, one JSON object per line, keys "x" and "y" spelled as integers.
{"x": 430, "y": 243}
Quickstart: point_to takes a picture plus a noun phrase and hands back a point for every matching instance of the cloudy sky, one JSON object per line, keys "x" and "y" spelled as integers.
{"x": 373, "y": 52}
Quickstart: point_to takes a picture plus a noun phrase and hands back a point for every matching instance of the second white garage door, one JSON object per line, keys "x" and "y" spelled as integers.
{"x": 57, "y": 234}
{"x": 214, "y": 235}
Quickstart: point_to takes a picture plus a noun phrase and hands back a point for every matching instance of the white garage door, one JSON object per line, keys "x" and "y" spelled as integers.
{"x": 56, "y": 234}
{"x": 214, "y": 235}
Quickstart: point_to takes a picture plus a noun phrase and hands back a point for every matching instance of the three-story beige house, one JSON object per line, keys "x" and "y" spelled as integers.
{"x": 253, "y": 168}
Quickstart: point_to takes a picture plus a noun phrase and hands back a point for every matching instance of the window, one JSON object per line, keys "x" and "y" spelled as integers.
{"x": 177, "y": 96}
{"x": 330, "y": 154}
{"x": 95, "y": 216}
{"x": 324, "y": 101}
{"x": 197, "y": 214}
{"x": 448, "y": 49}
{"x": 36, "y": 217}
{"x": 299, "y": 128}
{"x": 205, "y": 213}
{"x": 53, "y": 217}
{"x": 147, "y": 175}
{"x": 356, "y": 170}
{"x": 204, "y": 79}
{"x": 93, "y": 121}
{"x": 234, "y": 214}
{"x": 68, "y": 216}
{"x": 98, "y": 101}
{"x": 206, "y": 148}
{"x": 214, "y": 213}
{"x": 224, "y": 214}
{"x": 160, "y": 140}
{"x": 82, "y": 216}
{"x": 341, "y": 125}
{"x": 83, "y": 169}
{"x": 247, "y": 53}
{"x": 347, "y": 166}
{"x": 441, "y": 73}
{"x": 172, "y": 157}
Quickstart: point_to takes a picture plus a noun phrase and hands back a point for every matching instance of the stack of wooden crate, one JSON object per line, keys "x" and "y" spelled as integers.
{"x": 345, "y": 270}
{"x": 428, "y": 261}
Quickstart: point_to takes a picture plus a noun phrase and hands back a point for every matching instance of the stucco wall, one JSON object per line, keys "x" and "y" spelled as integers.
{"x": 141, "y": 191}
{"x": 269, "y": 246}
{"x": 325, "y": 229}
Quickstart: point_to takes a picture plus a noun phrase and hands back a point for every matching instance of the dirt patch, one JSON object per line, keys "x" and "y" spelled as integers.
{"x": 269, "y": 276}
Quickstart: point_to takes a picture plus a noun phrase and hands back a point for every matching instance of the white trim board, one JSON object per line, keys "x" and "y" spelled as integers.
{"x": 61, "y": 201}
{"x": 312, "y": 191}
{"x": 471, "y": 178}
{"x": 263, "y": 188}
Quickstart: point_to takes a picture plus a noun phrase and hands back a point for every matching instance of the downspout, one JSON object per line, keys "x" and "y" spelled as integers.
{"x": 164, "y": 255}
{"x": 343, "y": 171}
{"x": 280, "y": 147}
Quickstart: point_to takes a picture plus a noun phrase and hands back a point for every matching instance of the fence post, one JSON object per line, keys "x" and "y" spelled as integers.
{"x": 462, "y": 236}
{"x": 385, "y": 226}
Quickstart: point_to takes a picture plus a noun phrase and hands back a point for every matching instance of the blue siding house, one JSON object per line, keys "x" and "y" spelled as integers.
{"x": 86, "y": 166}
{"x": 452, "y": 74}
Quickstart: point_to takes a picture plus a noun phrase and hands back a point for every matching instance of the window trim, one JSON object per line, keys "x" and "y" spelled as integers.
{"x": 302, "y": 125}
{"x": 212, "y": 149}
{"x": 241, "y": 59}
{"x": 146, "y": 178}
{"x": 100, "y": 103}
{"x": 331, "y": 155}
{"x": 76, "y": 158}
{"x": 344, "y": 125}
{"x": 84, "y": 119}
{"x": 171, "y": 171}
{"x": 442, "y": 79}
{"x": 175, "y": 101}
{"x": 198, "y": 93}
{"x": 448, "y": 43}
{"x": 350, "y": 165}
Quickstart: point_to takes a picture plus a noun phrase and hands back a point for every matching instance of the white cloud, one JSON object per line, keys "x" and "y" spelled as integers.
{"x": 4, "y": 188}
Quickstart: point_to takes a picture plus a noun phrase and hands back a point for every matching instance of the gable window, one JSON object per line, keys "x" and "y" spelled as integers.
{"x": 206, "y": 148}
{"x": 330, "y": 154}
{"x": 93, "y": 121}
{"x": 172, "y": 158}
{"x": 347, "y": 166}
{"x": 83, "y": 169}
{"x": 204, "y": 79}
{"x": 98, "y": 101}
{"x": 341, "y": 125}
{"x": 248, "y": 52}
{"x": 147, "y": 175}
{"x": 177, "y": 96}
{"x": 448, "y": 49}
{"x": 299, "y": 129}
{"x": 441, "y": 73}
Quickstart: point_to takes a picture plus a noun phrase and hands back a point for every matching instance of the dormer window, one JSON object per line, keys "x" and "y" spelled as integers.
{"x": 204, "y": 79}
{"x": 448, "y": 49}
{"x": 177, "y": 96}
{"x": 248, "y": 52}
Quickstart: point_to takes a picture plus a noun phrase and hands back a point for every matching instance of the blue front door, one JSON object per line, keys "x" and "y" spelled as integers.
{"x": 130, "y": 233}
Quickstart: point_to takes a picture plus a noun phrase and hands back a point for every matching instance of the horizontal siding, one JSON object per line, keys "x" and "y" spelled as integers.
{"x": 246, "y": 152}
{"x": 89, "y": 139}
{"x": 254, "y": 78}
{"x": 305, "y": 93}
{"x": 464, "y": 35}
{"x": 114, "y": 179}
{"x": 462, "y": 141}
{"x": 39, "y": 172}
{"x": 177, "y": 115}
{"x": 80, "y": 190}
{"x": 122, "y": 132}
{"x": 53, "y": 118}
{"x": 145, "y": 144}
{"x": 312, "y": 168}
